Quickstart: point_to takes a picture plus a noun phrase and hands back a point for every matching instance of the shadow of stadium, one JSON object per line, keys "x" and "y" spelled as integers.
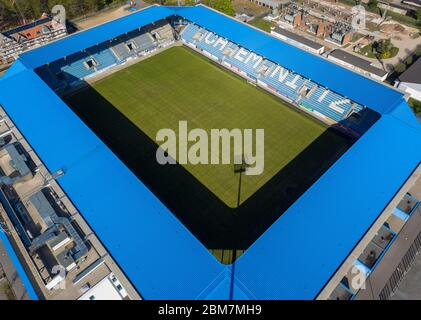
{"x": 215, "y": 224}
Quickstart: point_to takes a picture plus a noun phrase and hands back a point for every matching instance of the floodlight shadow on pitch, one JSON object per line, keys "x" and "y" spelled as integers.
{"x": 241, "y": 163}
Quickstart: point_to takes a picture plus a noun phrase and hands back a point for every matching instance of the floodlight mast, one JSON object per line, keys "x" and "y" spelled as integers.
{"x": 238, "y": 168}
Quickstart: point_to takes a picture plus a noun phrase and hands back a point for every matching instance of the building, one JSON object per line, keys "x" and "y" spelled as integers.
{"x": 317, "y": 29}
{"x": 297, "y": 40}
{"x": 272, "y": 4}
{"x": 15, "y": 41}
{"x": 108, "y": 288}
{"x": 410, "y": 80}
{"x": 292, "y": 19}
{"x": 394, "y": 7}
{"x": 307, "y": 252}
{"x": 358, "y": 64}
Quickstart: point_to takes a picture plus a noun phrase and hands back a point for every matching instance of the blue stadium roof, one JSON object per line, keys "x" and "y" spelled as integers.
{"x": 350, "y": 84}
{"x": 82, "y": 40}
{"x": 296, "y": 256}
{"x": 18, "y": 266}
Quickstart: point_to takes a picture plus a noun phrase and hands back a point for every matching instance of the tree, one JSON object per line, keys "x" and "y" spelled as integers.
{"x": 224, "y": 6}
{"x": 415, "y": 105}
{"x": 383, "y": 47}
{"x": 418, "y": 14}
{"x": 8, "y": 16}
{"x": 372, "y": 4}
{"x": 400, "y": 67}
{"x": 15, "y": 12}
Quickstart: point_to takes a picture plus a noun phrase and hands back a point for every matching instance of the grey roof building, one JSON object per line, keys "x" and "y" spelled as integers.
{"x": 297, "y": 40}
{"x": 358, "y": 64}
{"x": 410, "y": 80}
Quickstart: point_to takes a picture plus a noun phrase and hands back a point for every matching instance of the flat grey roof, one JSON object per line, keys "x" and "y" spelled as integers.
{"x": 298, "y": 38}
{"x": 65, "y": 258}
{"x": 58, "y": 239}
{"x": 357, "y": 61}
{"x": 17, "y": 161}
{"x": 274, "y": 3}
{"x": 413, "y": 74}
{"x": 41, "y": 204}
{"x": 415, "y": 2}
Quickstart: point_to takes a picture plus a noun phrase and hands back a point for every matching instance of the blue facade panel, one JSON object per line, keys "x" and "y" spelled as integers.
{"x": 18, "y": 266}
{"x": 350, "y": 84}
{"x": 296, "y": 256}
{"x": 157, "y": 253}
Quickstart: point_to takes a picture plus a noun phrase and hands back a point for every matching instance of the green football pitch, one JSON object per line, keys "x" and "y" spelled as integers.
{"x": 179, "y": 84}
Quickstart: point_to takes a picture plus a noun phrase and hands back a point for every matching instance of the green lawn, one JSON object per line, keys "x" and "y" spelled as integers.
{"x": 367, "y": 51}
{"x": 261, "y": 24}
{"x": 179, "y": 84}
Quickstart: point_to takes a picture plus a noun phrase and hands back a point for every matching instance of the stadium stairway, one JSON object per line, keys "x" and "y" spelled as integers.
{"x": 103, "y": 56}
{"x": 143, "y": 41}
{"x": 119, "y": 47}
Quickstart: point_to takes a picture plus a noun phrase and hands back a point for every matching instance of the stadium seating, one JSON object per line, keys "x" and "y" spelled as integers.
{"x": 52, "y": 81}
{"x": 72, "y": 67}
{"x": 295, "y": 88}
{"x": 143, "y": 41}
{"x": 103, "y": 56}
{"x": 78, "y": 66}
{"x": 289, "y": 84}
{"x": 164, "y": 34}
{"x": 121, "y": 49}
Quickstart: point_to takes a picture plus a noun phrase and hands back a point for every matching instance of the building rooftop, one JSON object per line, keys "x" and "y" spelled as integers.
{"x": 296, "y": 256}
{"x": 17, "y": 160}
{"x": 415, "y": 2}
{"x": 43, "y": 207}
{"x": 413, "y": 74}
{"x": 274, "y": 3}
{"x": 298, "y": 38}
{"x": 103, "y": 290}
{"x": 357, "y": 61}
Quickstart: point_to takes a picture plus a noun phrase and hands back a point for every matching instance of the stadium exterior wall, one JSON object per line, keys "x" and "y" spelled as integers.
{"x": 296, "y": 256}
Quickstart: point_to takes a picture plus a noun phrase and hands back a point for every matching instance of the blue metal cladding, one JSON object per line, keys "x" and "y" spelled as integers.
{"x": 350, "y": 84}
{"x": 296, "y": 256}
{"x": 18, "y": 266}
{"x": 144, "y": 237}
{"x": 305, "y": 246}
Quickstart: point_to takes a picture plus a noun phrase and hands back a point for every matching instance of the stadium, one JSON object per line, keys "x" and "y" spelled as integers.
{"x": 339, "y": 147}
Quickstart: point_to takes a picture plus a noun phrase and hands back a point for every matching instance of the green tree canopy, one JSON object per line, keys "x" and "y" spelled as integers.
{"x": 418, "y": 14}
{"x": 372, "y": 4}
{"x": 400, "y": 67}
{"x": 224, "y": 6}
{"x": 14, "y": 13}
